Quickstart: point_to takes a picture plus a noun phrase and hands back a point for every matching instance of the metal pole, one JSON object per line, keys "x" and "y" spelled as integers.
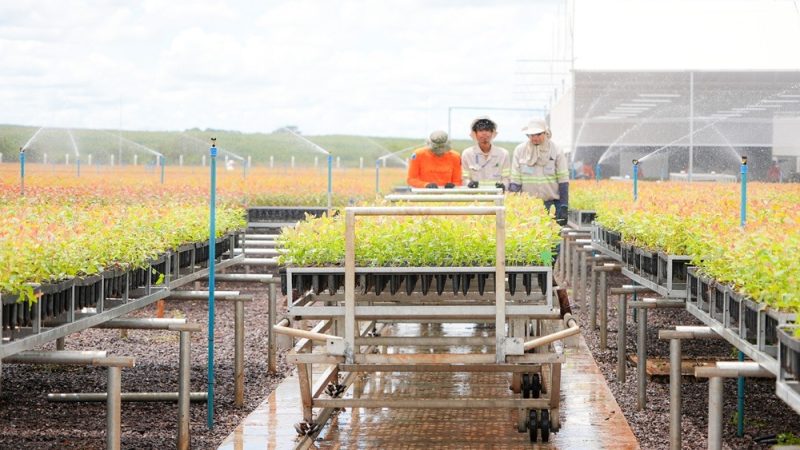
{"x": 377, "y": 176}
{"x": 675, "y": 394}
{"x": 740, "y": 402}
{"x": 212, "y": 244}
{"x": 114, "y": 408}
{"x": 691, "y": 125}
{"x": 330, "y": 182}
{"x": 78, "y": 166}
{"x": 743, "y": 203}
{"x": 593, "y": 300}
{"x": 635, "y": 179}
{"x": 271, "y": 363}
{"x": 597, "y": 172}
{"x": 22, "y": 170}
{"x": 583, "y": 255}
{"x": 622, "y": 328}
{"x": 449, "y": 115}
{"x": 238, "y": 364}
{"x": 715, "y": 413}
{"x": 603, "y": 311}
{"x": 641, "y": 363}
{"x": 185, "y": 367}
{"x": 161, "y": 162}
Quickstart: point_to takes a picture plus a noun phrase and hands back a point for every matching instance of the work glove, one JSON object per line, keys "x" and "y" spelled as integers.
{"x": 500, "y": 186}
{"x": 472, "y": 184}
{"x": 562, "y": 211}
{"x": 431, "y": 186}
{"x": 514, "y": 187}
{"x": 449, "y": 186}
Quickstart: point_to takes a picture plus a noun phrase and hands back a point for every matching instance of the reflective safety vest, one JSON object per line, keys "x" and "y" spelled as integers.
{"x": 539, "y": 169}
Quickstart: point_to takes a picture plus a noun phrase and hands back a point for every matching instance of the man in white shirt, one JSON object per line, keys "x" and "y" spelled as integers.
{"x": 485, "y": 164}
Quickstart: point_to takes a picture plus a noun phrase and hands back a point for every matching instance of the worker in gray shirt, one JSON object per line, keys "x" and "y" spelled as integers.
{"x": 485, "y": 164}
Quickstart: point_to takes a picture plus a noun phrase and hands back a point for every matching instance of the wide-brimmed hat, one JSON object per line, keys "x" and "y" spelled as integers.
{"x": 535, "y": 126}
{"x": 439, "y": 141}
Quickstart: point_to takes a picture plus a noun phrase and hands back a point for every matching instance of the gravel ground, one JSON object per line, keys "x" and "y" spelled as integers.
{"x": 765, "y": 414}
{"x": 28, "y": 421}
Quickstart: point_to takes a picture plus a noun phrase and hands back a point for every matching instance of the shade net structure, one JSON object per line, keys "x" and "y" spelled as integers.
{"x": 661, "y": 117}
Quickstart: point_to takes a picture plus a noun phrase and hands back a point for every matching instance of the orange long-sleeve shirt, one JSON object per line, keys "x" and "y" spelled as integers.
{"x": 426, "y": 167}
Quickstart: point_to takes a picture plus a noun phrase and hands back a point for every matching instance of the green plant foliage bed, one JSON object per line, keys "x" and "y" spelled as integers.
{"x": 429, "y": 241}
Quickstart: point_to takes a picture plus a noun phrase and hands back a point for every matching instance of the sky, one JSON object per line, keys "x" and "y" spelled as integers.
{"x": 376, "y": 68}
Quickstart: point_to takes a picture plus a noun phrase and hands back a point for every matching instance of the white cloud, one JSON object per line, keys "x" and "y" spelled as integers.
{"x": 344, "y": 66}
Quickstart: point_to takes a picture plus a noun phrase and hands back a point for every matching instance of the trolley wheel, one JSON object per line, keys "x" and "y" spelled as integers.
{"x": 533, "y": 425}
{"x": 536, "y": 386}
{"x": 544, "y": 424}
{"x": 526, "y": 385}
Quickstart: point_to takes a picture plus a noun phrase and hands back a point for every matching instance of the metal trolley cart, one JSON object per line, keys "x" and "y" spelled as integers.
{"x": 517, "y": 300}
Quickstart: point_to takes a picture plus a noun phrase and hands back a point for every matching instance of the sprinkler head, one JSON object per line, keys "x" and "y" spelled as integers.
{"x": 744, "y": 160}
{"x": 213, "y": 142}
{"x": 22, "y": 149}
{"x": 635, "y": 162}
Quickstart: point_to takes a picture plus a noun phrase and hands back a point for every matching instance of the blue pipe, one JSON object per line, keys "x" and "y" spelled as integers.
{"x": 597, "y": 172}
{"x": 635, "y": 179}
{"x": 743, "y": 204}
{"x": 212, "y": 249}
{"x": 22, "y": 171}
{"x": 161, "y": 161}
{"x": 78, "y": 166}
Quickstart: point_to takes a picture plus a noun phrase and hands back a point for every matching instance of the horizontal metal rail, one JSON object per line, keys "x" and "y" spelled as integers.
{"x": 125, "y": 397}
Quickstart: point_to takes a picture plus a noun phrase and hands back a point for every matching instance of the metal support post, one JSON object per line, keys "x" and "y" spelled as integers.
{"x": 622, "y": 329}
{"x": 583, "y": 279}
{"x": 641, "y": 363}
{"x": 184, "y": 368}
{"x": 60, "y": 344}
{"x": 238, "y": 373}
{"x": 715, "y": 413}
{"x": 114, "y": 408}
{"x": 675, "y": 406}
{"x": 603, "y": 311}
{"x": 271, "y": 344}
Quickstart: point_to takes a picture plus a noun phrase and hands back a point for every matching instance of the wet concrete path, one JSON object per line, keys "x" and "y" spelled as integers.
{"x": 590, "y": 417}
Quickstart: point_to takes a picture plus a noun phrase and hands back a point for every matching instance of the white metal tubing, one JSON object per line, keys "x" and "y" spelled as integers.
{"x": 593, "y": 300}
{"x": 268, "y": 262}
{"x": 246, "y": 277}
{"x": 603, "y": 311}
{"x": 715, "y": 413}
{"x": 571, "y": 330}
{"x": 444, "y": 198}
{"x": 423, "y": 210}
{"x": 303, "y": 334}
{"x": 184, "y": 368}
{"x": 460, "y": 190}
{"x": 641, "y": 363}
{"x": 675, "y": 394}
{"x": 271, "y": 316}
{"x": 144, "y": 397}
{"x": 238, "y": 372}
{"x": 57, "y": 357}
{"x": 622, "y": 330}
{"x": 141, "y": 324}
{"x": 114, "y": 408}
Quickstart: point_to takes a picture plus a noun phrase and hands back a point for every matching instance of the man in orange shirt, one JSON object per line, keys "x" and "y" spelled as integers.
{"x": 436, "y": 164}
